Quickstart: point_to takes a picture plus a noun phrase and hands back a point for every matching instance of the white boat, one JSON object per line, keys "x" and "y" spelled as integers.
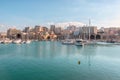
{"x": 1, "y": 41}
{"x": 68, "y": 42}
{"x": 27, "y": 42}
{"x": 9, "y": 41}
{"x": 106, "y": 43}
{"x": 91, "y": 43}
{"x": 17, "y": 41}
{"x": 22, "y": 42}
{"x": 79, "y": 42}
{"x": 6, "y": 41}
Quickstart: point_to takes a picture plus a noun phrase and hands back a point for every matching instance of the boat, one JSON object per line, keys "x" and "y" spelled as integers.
{"x": 79, "y": 42}
{"x": 27, "y": 42}
{"x": 68, "y": 42}
{"x": 111, "y": 41}
{"x": 22, "y": 42}
{"x": 17, "y": 41}
{"x": 0, "y": 41}
{"x": 6, "y": 41}
{"x": 91, "y": 42}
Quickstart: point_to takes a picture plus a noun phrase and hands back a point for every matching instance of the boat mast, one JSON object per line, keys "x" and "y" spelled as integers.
{"x": 89, "y": 28}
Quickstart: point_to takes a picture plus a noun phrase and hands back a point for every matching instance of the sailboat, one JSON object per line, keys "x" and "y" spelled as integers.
{"x": 27, "y": 40}
{"x": 89, "y": 42}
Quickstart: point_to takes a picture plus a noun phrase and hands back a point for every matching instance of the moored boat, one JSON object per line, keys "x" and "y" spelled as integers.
{"x": 79, "y": 42}
{"x": 68, "y": 42}
{"x": 27, "y": 42}
{"x": 91, "y": 42}
{"x": 6, "y": 41}
{"x": 17, "y": 41}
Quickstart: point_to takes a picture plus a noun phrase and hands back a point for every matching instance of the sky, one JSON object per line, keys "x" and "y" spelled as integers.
{"x": 21, "y": 13}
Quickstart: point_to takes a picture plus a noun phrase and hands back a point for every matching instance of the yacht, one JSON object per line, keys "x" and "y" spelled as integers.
{"x": 79, "y": 42}
{"x": 68, "y": 42}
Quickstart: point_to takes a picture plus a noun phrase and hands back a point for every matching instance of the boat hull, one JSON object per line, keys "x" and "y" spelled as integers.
{"x": 79, "y": 44}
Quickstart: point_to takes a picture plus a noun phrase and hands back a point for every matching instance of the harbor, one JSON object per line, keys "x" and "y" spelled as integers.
{"x": 60, "y": 40}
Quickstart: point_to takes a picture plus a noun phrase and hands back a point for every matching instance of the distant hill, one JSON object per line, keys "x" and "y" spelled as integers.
{"x": 66, "y": 24}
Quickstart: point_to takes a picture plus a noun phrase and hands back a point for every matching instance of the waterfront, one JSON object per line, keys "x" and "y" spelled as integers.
{"x": 47, "y": 60}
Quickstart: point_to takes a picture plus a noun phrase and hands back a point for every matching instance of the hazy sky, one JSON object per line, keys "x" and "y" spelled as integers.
{"x": 31, "y": 12}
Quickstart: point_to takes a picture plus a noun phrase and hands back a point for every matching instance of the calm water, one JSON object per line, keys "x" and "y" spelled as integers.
{"x": 54, "y": 61}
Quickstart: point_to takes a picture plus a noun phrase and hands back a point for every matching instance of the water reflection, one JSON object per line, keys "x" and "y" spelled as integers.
{"x": 88, "y": 53}
{"x": 47, "y": 49}
{"x": 52, "y": 49}
{"x": 55, "y": 60}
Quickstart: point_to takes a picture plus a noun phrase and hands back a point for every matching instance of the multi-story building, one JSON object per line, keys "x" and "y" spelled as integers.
{"x": 111, "y": 33}
{"x": 27, "y": 29}
{"x": 52, "y": 28}
{"x": 13, "y": 33}
{"x": 38, "y": 29}
{"x": 85, "y": 31}
{"x": 89, "y": 29}
{"x": 45, "y": 29}
{"x": 3, "y": 36}
{"x": 71, "y": 28}
{"x": 58, "y": 30}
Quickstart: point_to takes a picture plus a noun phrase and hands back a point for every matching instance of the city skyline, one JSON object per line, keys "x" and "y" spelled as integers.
{"x": 103, "y": 13}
